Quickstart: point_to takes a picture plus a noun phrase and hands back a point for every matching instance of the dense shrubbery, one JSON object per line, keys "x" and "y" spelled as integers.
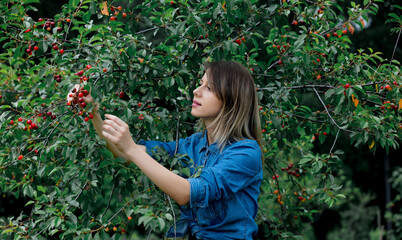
{"x": 141, "y": 61}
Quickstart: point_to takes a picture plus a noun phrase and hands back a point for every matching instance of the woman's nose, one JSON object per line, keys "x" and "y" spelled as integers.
{"x": 196, "y": 91}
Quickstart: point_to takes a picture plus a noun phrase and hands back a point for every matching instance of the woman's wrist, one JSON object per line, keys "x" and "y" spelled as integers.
{"x": 95, "y": 108}
{"x": 132, "y": 151}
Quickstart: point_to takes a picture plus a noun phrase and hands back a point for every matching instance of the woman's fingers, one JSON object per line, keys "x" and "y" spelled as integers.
{"x": 109, "y": 123}
{"x": 109, "y": 137}
{"x": 73, "y": 93}
{"x": 117, "y": 132}
{"x": 115, "y": 119}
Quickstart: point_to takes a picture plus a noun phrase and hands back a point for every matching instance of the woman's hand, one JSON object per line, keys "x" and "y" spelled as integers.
{"x": 118, "y": 133}
{"x": 78, "y": 92}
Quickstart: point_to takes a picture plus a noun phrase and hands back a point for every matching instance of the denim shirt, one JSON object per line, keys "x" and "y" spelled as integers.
{"x": 223, "y": 199}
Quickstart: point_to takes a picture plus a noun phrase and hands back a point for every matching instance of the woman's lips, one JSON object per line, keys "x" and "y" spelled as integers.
{"x": 196, "y": 104}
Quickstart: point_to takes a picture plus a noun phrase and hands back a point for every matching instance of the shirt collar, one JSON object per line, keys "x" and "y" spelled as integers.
{"x": 213, "y": 148}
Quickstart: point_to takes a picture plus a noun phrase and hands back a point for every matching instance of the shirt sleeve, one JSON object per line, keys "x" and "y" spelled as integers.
{"x": 240, "y": 166}
{"x": 152, "y": 146}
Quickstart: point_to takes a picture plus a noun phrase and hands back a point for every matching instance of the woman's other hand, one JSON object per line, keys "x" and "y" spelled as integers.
{"x": 118, "y": 133}
{"x": 81, "y": 96}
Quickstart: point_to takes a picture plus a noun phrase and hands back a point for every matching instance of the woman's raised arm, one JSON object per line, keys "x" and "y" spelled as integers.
{"x": 97, "y": 120}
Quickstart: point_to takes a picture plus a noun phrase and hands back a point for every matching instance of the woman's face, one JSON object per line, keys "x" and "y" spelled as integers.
{"x": 206, "y": 104}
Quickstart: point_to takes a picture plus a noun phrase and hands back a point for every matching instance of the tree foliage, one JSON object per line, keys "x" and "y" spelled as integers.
{"x": 141, "y": 61}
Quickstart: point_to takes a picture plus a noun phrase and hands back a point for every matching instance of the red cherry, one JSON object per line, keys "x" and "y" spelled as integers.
{"x": 346, "y": 86}
{"x": 318, "y": 77}
{"x": 36, "y": 48}
{"x": 280, "y": 62}
{"x": 68, "y": 20}
{"x": 36, "y": 151}
{"x": 139, "y": 104}
{"x": 294, "y": 22}
{"x": 112, "y": 18}
{"x": 89, "y": 66}
{"x": 328, "y": 35}
{"x": 20, "y": 119}
{"x": 119, "y": 8}
{"x": 29, "y": 122}
{"x": 129, "y": 218}
{"x": 55, "y": 47}
{"x": 86, "y": 119}
{"x": 344, "y": 31}
{"x": 115, "y": 229}
{"x": 11, "y": 122}
{"x": 20, "y": 157}
{"x": 80, "y": 94}
{"x": 124, "y": 15}
{"x": 105, "y": 70}
{"x": 83, "y": 104}
{"x": 335, "y": 34}
{"x": 238, "y": 41}
{"x": 61, "y": 51}
{"x": 325, "y": 133}
{"x": 85, "y": 92}
{"x": 91, "y": 116}
{"x": 209, "y": 23}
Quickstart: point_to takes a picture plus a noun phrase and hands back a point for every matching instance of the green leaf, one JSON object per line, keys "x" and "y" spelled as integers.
{"x": 7, "y": 231}
{"x": 41, "y": 189}
{"x": 30, "y": 1}
{"x": 161, "y": 223}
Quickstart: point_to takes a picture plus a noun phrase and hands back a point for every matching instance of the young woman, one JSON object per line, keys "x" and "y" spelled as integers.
{"x": 222, "y": 202}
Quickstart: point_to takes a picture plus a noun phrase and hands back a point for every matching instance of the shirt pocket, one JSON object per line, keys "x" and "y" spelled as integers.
{"x": 211, "y": 215}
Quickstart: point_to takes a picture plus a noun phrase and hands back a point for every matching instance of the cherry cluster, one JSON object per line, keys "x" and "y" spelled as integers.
{"x": 116, "y": 11}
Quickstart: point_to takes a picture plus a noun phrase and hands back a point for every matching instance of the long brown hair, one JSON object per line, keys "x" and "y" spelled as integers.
{"x": 239, "y": 117}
